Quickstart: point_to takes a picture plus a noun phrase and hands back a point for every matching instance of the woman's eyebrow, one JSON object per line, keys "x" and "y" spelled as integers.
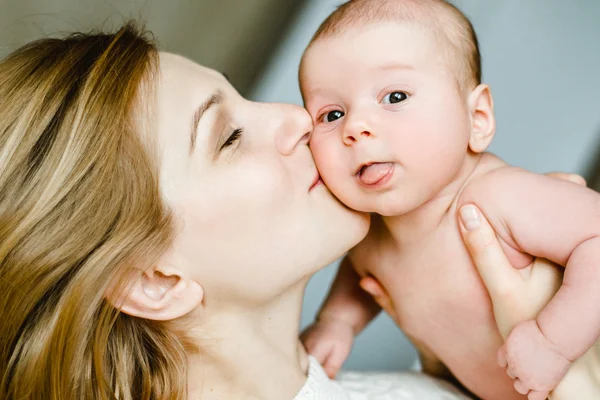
{"x": 215, "y": 99}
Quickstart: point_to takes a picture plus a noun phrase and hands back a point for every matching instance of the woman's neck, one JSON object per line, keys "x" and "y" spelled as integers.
{"x": 250, "y": 352}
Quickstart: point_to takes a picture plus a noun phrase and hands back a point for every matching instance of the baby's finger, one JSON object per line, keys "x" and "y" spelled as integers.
{"x": 330, "y": 370}
{"x": 319, "y": 351}
{"x": 520, "y": 386}
{"x": 510, "y": 373}
{"x": 334, "y": 363}
{"x": 497, "y": 273}
{"x": 535, "y": 395}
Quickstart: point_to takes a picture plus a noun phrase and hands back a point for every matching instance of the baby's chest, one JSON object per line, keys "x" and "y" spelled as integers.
{"x": 432, "y": 283}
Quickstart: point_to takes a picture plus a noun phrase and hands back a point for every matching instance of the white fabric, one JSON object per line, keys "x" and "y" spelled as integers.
{"x": 397, "y": 386}
{"x": 374, "y": 386}
{"x": 318, "y": 386}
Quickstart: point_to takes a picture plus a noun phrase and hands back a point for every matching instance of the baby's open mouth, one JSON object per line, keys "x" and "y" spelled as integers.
{"x": 373, "y": 173}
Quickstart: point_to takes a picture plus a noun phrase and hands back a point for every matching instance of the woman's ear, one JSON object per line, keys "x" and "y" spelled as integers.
{"x": 160, "y": 294}
{"x": 483, "y": 121}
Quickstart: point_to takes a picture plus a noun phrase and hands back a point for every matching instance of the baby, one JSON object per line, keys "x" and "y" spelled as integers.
{"x": 402, "y": 122}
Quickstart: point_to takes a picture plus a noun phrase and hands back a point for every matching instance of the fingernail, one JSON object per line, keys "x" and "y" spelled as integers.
{"x": 470, "y": 217}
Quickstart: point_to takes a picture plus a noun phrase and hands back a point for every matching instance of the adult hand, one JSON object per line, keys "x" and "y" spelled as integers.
{"x": 517, "y": 298}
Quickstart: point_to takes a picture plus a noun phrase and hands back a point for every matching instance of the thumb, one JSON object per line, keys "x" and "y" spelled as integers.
{"x": 334, "y": 362}
{"x": 319, "y": 351}
{"x": 497, "y": 273}
{"x": 372, "y": 286}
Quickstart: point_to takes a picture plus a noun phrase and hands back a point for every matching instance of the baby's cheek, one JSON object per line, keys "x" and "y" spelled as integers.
{"x": 323, "y": 153}
{"x": 342, "y": 185}
{"x": 330, "y": 166}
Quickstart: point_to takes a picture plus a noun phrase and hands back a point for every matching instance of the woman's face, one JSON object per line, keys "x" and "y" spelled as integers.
{"x": 240, "y": 179}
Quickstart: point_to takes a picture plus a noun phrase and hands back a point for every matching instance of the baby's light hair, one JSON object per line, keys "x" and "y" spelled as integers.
{"x": 449, "y": 25}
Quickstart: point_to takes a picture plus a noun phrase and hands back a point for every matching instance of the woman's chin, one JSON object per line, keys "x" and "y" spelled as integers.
{"x": 339, "y": 227}
{"x": 363, "y": 222}
{"x": 352, "y": 231}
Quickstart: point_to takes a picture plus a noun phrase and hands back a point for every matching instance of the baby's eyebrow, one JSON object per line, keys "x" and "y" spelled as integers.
{"x": 396, "y": 66}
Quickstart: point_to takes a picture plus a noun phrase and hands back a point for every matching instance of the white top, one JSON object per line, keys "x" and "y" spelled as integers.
{"x": 374, "y": 386}
{"x": 318, "y": 386}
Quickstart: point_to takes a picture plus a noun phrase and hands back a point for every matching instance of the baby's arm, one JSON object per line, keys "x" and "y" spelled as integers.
{"x": 560, "y": 221}
{"x": 347, "y": 301}
{"x": 345, "y": 313}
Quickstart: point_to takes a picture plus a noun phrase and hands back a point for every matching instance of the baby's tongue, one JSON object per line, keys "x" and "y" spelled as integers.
{"x": 374, "y": 172}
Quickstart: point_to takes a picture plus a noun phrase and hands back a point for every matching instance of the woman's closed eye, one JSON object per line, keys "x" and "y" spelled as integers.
{"x": 234, "y": 137}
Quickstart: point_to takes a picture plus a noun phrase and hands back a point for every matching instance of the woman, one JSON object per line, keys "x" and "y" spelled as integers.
{"x": 143, "y": 182}
{"x": 156, "y": 229}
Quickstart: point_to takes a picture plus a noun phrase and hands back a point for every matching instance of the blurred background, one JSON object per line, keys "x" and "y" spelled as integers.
{"x": 540, "y": 57}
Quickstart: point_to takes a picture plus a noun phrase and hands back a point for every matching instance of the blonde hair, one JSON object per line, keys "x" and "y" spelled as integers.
{"x": 79, "y": 206}
{"x": 450, "y": 26}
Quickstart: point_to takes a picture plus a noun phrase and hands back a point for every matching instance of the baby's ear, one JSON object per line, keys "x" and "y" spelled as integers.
{"x": 483, "y": 121}
{"x": 160, "y": 294}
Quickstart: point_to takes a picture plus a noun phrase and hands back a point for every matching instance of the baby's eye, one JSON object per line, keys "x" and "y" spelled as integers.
{"x": 394, "y": 97}
{"x": 332, "y": 116}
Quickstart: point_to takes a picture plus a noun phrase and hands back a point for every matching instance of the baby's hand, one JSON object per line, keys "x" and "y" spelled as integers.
{"x": 329, "y": 341}
{"x": 532, "y": 361}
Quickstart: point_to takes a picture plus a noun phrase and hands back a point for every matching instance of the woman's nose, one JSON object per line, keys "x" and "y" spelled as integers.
{"x": 295, "y": 126}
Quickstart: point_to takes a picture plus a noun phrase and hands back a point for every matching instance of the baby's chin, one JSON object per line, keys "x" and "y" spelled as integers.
{"x": 360, "y": 202}
{"x": 385, "y": 204}
{"x": 379, "y": 203}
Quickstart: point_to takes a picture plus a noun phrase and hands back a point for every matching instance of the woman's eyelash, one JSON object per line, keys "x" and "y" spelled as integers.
{"x": 232, "y": 138}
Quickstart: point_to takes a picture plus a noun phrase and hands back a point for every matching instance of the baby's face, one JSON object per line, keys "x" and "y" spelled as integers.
{"x": 391, "y": 126}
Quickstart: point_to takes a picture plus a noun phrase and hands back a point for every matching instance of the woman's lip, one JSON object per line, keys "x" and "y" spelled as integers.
{"x": 315, "y": 182}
